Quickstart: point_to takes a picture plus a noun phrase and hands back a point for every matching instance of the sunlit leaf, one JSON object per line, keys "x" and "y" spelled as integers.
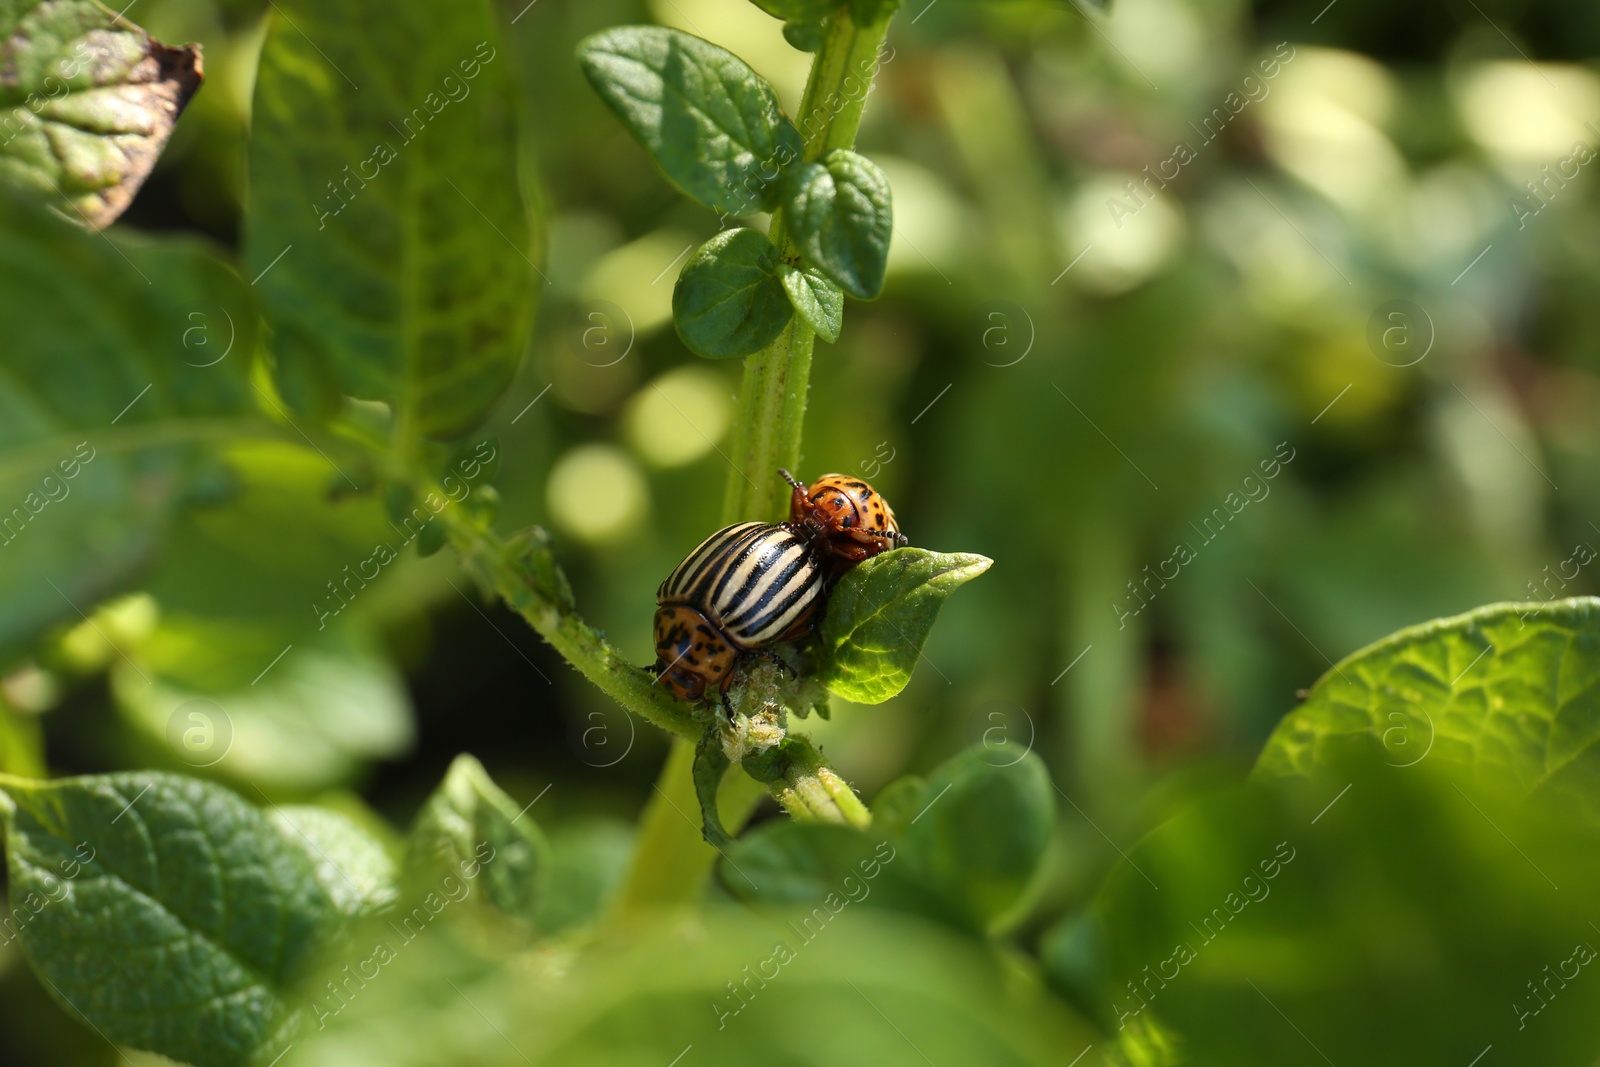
{"x": 839, "y": 212}
{"x": 817, "y": 300}
{"x": 87, "y": 103}
{"x": 1509, "y": 693}
{"x": 880, "y": 615}
{"x": 711, "y": 123}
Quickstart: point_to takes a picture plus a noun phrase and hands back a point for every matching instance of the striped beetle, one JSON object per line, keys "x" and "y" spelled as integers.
{"x": 746, "y": 587}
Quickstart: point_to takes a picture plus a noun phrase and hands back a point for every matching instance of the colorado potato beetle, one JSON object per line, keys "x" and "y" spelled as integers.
{"x": 746, "y": 587}
{"x": 844, "y": 517}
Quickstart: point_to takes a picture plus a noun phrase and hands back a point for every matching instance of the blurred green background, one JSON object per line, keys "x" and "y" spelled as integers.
{"x": 1070, "y": 376}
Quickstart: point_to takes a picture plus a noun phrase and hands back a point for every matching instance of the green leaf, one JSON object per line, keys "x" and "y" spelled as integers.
{"x": 869, "y": 12}
{"x": 880, "y": 614}
{"x": 711, "y": 123}
{"x": 588, "y": 859}
{"x": 1509, "y": 693}
{"x": 962, "y": 847}
{"x": 819, "y": 302}
{"x": 278, "y": 547}
{"x": 471, "y": 825}
{"x": 710, "y": 765}
{"x": 383, "y": 172}
{"x": 806, "y": 36}
{"x": 87, "y": 104}
{"x": 1329, "y": 898}
{"x": 110, "y": 380}
{"x": 354, "y": 871}
{"x": 982, "y": 830}
{"x": 739, "y": 988}
{"x": 728, "y": 301}
{"x": 840, "y": 213}
{"x": 178, "y": 917}
{"x": 249, "y": 701}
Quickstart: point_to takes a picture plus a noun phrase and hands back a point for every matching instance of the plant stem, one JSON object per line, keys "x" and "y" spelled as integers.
{"x": 671, "y": 861}
{"x": 772, "y": 400}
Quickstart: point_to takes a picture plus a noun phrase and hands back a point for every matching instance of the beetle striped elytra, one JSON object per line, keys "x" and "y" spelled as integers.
{"x": 844, "y": 517}
{"x": 743, "y": 589}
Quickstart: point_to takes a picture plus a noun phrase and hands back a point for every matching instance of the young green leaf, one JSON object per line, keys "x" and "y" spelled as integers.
{"x": 806, "y": 36}
{"x": 89, "y": 100}
{"x": 879, "y": 617}
{"x": 839, "y": 212}
{"x": 471, "y": 825}
{"x": 728, "y": 301}
{"x": 711, "y": 123}
{"x": 868, "y": 12}
{"x": 174, "y": 916}
{"x": 110, "y": 383}
{"x": 386, "y": 227}
{"x": 1510, "y": 692}
{"x": 819, "y": 302}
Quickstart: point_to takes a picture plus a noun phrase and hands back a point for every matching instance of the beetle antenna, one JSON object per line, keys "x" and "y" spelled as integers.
{"x": 791, "y": 479}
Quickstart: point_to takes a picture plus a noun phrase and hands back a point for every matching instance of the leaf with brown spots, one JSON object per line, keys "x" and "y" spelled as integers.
{"x": 87, "y": 102}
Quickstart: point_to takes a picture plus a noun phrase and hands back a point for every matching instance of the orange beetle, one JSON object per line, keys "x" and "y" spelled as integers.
{"x": 844, "y": 517}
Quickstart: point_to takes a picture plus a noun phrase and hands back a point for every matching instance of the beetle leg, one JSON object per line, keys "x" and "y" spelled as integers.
{"x": 772, "y": 657}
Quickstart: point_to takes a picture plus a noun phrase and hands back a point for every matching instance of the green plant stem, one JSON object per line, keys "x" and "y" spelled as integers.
{"x": 671, "y": 864}
{"x": 772, "y": 400}
{"x": 523, "y": 574}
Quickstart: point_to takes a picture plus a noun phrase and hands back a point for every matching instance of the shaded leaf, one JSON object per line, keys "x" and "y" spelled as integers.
{"x": 87, "y": 102}
{"x": 711, "y": 123}
{"x": 261, "y": 705}
{"x": 817, "y": 300}
{"x": 180, "y": 916}
{"x": 840, "y": 214}
{"x": 880, "y": 615}
{"x": 728, "y": 301}
{"x": 386, "y": 222}
{"x": 108, "y": 388}
{"x": 961, "y": 847}
{"x": 588, "y": 859}
{"x": 806, "y": 36}
{"x": 1509, "y": 693}
{"x": 470, "y": 825}
{"x": 662, "y": 986}
{"x": 1394, "y": 917}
